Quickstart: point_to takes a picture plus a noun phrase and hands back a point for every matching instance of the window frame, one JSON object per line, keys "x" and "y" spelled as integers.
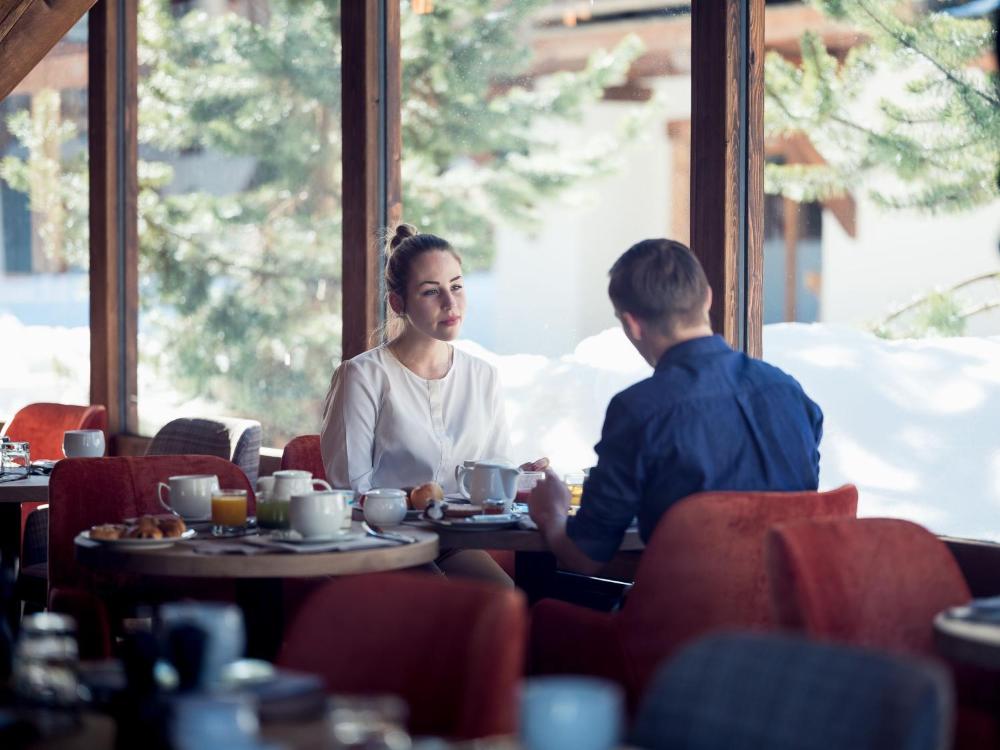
{"x": 727, "y": 158}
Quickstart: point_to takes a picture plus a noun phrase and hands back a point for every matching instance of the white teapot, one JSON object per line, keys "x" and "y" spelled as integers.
{"x": 488, "y": 480}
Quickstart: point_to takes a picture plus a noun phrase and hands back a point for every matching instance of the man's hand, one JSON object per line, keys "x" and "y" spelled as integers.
{"x": 549, "y": 504}
{"x": 549, "y": 507}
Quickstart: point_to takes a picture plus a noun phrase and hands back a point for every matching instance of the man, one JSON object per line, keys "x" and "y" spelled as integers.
{"x": 709, "y": 418}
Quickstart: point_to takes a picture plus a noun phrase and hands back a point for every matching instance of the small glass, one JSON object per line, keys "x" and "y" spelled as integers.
{"x": 375, "y": 722}
{"x": 493, "y": 507}
{"x": 526, "y": 482}
{"x": 574, "y": 483}
{"x": 45, "y": 669}
{"x": 272, "y": 512}
{"x": 229, "y": 512}
{"x": 15, "y": 457}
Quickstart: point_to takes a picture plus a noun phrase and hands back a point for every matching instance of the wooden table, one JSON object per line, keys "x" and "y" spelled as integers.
{"x": 258, "y": 577}
{"x": 534, "y": 566}
{"x": 182, "y": 561}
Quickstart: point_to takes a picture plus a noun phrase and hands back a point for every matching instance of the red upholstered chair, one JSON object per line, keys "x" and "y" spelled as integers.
{"x": 702, "y": 570}
{"x": 303, "y": 453}
{"x": 43, "y": 426}
{"x": 88, "y": 491}
{"x": 876, "y": 582}
{"x": 452, "y": 649}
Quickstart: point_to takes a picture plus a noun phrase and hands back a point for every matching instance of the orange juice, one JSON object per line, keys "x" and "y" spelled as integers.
{"x": 229, "y": 508}
{"x": 574, "y": 483}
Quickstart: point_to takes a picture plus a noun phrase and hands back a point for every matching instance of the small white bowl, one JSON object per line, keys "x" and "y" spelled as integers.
{"x": 385, "y": 507}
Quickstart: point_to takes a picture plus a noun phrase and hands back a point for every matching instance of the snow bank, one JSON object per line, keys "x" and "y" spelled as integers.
{"x": 913, "y": 423}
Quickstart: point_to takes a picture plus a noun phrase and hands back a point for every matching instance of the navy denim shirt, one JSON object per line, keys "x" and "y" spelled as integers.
{"x": 709, "y": 418}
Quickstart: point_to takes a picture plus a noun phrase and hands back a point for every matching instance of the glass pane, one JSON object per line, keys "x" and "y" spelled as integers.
{"x": 881, "y": 270}
{"x": 239, "y": 211}
{"x": 44, "y": 257}
{"x": 542, "y": 139}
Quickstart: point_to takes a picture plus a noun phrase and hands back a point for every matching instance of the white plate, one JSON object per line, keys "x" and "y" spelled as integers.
{"x": 292, "y": 537}
{"x": 140, "y": 543}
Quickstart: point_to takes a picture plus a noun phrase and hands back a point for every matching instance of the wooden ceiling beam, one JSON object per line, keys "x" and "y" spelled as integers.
{"x": 28, "y": 30}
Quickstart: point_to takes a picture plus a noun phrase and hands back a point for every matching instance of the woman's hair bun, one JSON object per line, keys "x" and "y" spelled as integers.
{"x": 403, "y": 232}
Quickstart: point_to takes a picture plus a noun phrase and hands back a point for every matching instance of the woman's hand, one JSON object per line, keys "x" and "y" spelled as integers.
{"x": 539, "y": 464}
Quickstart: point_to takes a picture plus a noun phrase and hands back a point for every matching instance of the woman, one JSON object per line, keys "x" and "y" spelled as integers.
{"x": 411, "y": 410}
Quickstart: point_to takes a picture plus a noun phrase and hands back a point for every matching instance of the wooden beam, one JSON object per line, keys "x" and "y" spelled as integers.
{"x": 372, "y": 139}
{"x": 28, "y": 30}
{"x": 727, "y": 159}
{"x": 114, "y": 291}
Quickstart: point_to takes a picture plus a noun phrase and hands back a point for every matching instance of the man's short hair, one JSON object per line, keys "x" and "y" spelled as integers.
{"x": 660, "y": 282}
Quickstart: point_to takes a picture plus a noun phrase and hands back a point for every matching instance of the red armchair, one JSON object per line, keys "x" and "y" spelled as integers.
{"x": 43, "y": 425}
{"x": 303, "y": 453}
{"x": 874, "y": 582}
{"x": 453, "y": 650}
{"x": 702, "y": 570}
{"x": 88, "y": 491}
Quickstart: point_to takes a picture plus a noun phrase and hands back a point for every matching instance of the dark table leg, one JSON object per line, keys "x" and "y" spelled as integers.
{"x": 261, "y": 600}
{"x": 535, "y": 574}
{"x": 10, "y": 552}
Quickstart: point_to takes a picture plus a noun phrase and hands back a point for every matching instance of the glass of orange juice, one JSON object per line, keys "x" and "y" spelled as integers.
{"x": 229, "y": 511}
{"x": 574, "y": 483}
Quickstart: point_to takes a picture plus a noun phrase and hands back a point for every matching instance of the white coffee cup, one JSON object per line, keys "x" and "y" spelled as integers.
{"x": 83, "y": 443}
{"x": 584, "y": 713}
{"x": 385, "y": 507}
{"x": 318, "y": 514}
{"x": 265, "y": 486}
{"x": 190, "y": 495}
{"x": 291, "y": 482}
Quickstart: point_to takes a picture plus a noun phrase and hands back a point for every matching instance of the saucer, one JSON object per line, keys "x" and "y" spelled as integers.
{"x": 294, "y": 537}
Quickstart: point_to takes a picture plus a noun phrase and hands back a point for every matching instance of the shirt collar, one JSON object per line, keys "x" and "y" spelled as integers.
{"x": 692, "y": 349}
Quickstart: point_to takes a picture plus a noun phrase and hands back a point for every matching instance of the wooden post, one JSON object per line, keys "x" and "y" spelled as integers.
{"x": 727, "y": 160}
{"x": 114, "y": 291}
{"x": 370, "y": 86}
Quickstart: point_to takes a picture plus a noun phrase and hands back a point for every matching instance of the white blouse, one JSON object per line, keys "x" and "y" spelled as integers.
{"x": 385, "y": 426}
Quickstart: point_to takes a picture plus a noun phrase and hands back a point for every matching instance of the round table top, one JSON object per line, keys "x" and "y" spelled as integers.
{"x": 182, "y": 559}
{"x": 31, "y": 489}
{"x": 966, "y": 641}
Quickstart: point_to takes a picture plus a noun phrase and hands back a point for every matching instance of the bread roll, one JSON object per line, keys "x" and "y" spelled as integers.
{"x": 421, "y": 496}
{"x": 107, "y": 531}
{"x": 172, "y": 526}
{"x": 145, "y": 531}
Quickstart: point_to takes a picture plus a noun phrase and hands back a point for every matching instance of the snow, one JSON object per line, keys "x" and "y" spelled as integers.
{"x": 913, "y": 423}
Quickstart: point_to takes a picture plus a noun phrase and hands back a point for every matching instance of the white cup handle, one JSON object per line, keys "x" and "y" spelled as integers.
{"x": 160, "y": 486}
{"x": 323, "y": 484}
{"x": 462, "y": 476}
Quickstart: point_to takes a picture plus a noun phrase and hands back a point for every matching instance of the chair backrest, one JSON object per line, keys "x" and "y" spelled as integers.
{"x": 84, "y": 492}
{"x": 742, "y": 691}
{"x": 453, "y": 649}
{"x": 43, "y": 425}
{"x": 703, "y": 569}
{"x": 236, "y": 440}
{"x": 303, "y": 453}
{"x": 868, "y": 581}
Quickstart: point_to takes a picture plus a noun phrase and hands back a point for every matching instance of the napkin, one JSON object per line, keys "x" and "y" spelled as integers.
{"x": 215, "y": 547}
{"x": 266, "y": 543}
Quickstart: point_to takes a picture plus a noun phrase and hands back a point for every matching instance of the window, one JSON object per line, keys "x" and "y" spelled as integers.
{"x": 44, "y": 255}
{"x": 239, "y": 211}
{"x": 882, "y": 273}
{"x": 543, "y": 139}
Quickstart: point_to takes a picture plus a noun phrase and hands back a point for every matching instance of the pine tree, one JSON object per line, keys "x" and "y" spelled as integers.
{"x": 928, "y": 144}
